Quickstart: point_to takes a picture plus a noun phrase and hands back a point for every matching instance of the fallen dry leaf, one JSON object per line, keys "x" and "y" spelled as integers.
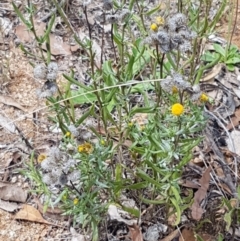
{"x": 53, "y": 213}
{"x": 9, "y": 207}
{"x": 23, "y": 34}
{"x": 187, "y": 235}
{"x": 7, "y": 124}
{"x": 10, "y": 101}
{"x": 58, "y": 46}
{"x": 50, "y": 210}
{"x": 234, "y": 120}
{"x": 214, "y": 72}
{"x": 188, "y": 183}
{"x": 135, "y": 233}
{"x": 171, "y": 236}
{"x": 27, "y": 36}
{"x": 197, "y": 210}
{"x": 30, "y": 213}
{"x": 9, "y": 192}
{"x": 233, "y": 143}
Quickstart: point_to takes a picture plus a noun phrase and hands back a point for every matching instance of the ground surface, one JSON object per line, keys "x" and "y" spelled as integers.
{"x": 18, "y": 84}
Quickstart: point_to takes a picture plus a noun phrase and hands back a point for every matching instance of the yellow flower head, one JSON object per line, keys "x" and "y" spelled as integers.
{"x": 102, "y": 142}
{"x": 68, "y": 134}
{"x": 174, "y": 90}
{"x": 41, "y": 158}
{"x": 85, "y": 148}
{"x": 154, "y": 27}
{"x": 160, "y": 21}
{"x": 204, "y": 98}
{"x": 75, "y": 201}
{"x": 177, "y": 109}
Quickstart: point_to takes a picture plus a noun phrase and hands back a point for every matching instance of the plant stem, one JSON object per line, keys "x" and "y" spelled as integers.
{"x": 88, "y": 24}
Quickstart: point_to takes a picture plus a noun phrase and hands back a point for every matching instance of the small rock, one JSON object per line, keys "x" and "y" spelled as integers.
{"x": 152, "y": 233}
{"x": 14, "y": 179}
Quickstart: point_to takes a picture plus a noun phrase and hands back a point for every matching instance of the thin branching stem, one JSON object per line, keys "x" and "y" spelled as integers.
{"x": 88, "y": 24}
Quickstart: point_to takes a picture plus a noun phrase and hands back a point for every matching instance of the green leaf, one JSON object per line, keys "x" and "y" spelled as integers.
{"x": 107, "y": 68}
{"x": 117, "y": 39}
{"x": 144, "y": 176}
{"x": 142, "y": 87}
{"x": 220, "y": 237}
{"x": 50, "y": 25}
{"x": 175, "y": 192}
{"x": 148, "y": 201}
{"x": 228, "y": 219}
{"x": 138, "y": 21}
{"x": 131, "y": 4}
{"x": 218, "y": 48}
{"x": 234, "y": 60}
{"x": 24, "y": 20}
{"x": 233, "y": 49}
{"x": 208, "y": 57}
{"x": 151, "y": 11}
{"x": 158, "y": 170}
{"x": 199, "y": 238}
{"x": 133, "y": 211}
{"x": 94, "y": 231}
{"x": 184, "y": 160}
{"x": 73, "y": 81}
{"x": 45, "y": 206}
{"x": 135, "y": 186}
{"x": 142, "y": 110}
{"x": 79, "y": 97}
{"x": 238, "y": 191}
{"x": 118, "y": 172}
{"x": 230, "y": 67}
{"x": 111, "y": 105}
{"x": 176, "y": 205}
{"x": 85, "y": 116}
{"x": 129, "y": 70}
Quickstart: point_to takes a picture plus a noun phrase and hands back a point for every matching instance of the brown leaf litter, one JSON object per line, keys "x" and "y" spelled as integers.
{"x": 10, "y": 192}
{"x": 30, "y": 213}
{"x": 196, "y": 208}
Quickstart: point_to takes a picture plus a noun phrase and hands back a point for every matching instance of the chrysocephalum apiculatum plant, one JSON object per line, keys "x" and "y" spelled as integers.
{"x": 154, "y": 60}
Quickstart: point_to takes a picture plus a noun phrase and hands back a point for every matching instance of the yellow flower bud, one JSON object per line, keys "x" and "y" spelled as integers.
{"x": 68, "y": 134}
{"x": 154, "y": 27}
{"x": 174, "y": 90}
{"x": 204, "y": 98}
{"x": 75, "y": 201}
